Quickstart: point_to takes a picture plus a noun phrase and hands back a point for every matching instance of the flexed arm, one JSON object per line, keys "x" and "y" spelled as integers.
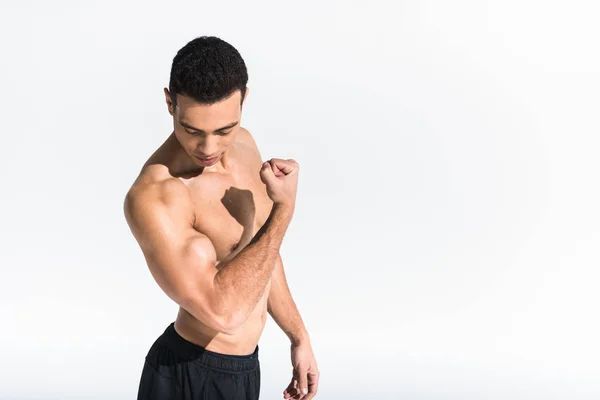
{"x": 183, "y": 260}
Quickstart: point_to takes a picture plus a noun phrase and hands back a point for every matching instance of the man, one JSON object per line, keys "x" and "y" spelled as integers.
{"x": 210, "y": 217}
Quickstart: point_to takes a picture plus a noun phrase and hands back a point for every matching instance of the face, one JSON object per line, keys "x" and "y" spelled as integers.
{"x": 206, "y": 131}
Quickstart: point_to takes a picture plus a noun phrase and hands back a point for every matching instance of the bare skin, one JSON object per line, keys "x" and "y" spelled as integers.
{"x": 211, "y": 231}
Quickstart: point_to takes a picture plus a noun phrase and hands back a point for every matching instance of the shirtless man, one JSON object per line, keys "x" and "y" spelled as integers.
{"x": 210, "y": 217}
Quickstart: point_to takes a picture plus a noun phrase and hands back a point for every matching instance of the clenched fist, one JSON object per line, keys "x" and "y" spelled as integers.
{"x": 281, "y": 178}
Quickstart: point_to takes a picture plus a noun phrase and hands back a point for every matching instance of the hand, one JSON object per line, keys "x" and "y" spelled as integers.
{"x": 281, "y": 178}
{"x": 305, "y": 374}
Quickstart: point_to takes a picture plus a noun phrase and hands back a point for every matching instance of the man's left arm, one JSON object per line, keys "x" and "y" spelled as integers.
{"x": 283, "y": 309}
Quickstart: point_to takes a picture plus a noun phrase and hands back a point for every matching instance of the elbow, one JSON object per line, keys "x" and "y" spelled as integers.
{"x": 229, "y": 323}
{"x": 217, "y": 318}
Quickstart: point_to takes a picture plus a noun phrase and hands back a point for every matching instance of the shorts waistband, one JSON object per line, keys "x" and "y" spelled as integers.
{"x": 198, "y": 354}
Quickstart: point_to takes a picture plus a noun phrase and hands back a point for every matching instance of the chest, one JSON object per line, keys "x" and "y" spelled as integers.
{"x": 230, "y": 210}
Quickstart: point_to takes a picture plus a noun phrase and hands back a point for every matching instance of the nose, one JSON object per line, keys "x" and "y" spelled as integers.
{"x": 208, "y": 146}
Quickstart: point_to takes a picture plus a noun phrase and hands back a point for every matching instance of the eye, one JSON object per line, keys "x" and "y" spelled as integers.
{"x": 224, "y": 133}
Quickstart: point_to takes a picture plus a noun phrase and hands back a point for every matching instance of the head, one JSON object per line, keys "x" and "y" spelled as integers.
{"x": 207, "y": 89}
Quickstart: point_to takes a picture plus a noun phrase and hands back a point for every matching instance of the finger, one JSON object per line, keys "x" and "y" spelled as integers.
{"x": 277, "y": 171}
{"x": 290, "y": 391}
{"x": 266, "y": 173}
{"x": 298, "y": 395}
{"x": 265, "y": 165}
{"x": 303, "y": 380}
{"x": 313, "y": 385}
{"x": 285, "y": 166}
{"x": 295, "y": 392}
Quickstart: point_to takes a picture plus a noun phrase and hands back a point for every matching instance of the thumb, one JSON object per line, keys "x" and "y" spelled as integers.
{"x": 302, "y": 380}
{"x": 266, "y": 172}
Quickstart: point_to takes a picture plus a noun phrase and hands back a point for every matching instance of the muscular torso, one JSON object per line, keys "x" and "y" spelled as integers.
{"x": 230, "y": 208}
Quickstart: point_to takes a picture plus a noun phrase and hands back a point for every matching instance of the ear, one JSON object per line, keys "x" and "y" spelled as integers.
{"x": 170, "y": 106}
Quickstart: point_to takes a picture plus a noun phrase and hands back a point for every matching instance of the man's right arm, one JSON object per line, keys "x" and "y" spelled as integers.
{"x": 183, "y": 261}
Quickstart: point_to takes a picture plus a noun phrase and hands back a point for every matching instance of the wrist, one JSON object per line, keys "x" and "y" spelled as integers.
{"x": 299, "y": 339}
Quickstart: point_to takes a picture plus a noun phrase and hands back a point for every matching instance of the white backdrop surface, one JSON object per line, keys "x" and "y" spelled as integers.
{"x": 445, "y": 243}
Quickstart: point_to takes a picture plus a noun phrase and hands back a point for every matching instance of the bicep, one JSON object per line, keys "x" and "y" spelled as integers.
{"x": 183, "y": 265}
{"x": 181, "y": 260}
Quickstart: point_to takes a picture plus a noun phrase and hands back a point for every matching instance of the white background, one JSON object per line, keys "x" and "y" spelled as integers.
{"x": 446, "y": 238}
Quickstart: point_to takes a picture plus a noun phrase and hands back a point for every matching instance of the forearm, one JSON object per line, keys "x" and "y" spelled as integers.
{"x": 241, "y": 282}
{"x": 282, "y": 307}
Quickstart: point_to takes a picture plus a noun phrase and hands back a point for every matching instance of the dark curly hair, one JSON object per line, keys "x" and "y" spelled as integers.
{"x": 207, "y": 69}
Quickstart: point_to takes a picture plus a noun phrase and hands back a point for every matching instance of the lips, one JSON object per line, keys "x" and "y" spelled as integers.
{"x": 207, "y": 160}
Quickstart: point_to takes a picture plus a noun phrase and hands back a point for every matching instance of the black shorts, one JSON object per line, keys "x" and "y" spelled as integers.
{"x": 175, "y": 368}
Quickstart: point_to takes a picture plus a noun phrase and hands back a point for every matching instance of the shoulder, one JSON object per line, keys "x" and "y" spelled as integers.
{"x": 247, "y": 140}
{"x": 249, "y": 149}
{"x": 151, "y": 198}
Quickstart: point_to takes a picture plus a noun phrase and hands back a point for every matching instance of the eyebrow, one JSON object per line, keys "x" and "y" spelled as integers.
{"x": 188, "y": 126}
